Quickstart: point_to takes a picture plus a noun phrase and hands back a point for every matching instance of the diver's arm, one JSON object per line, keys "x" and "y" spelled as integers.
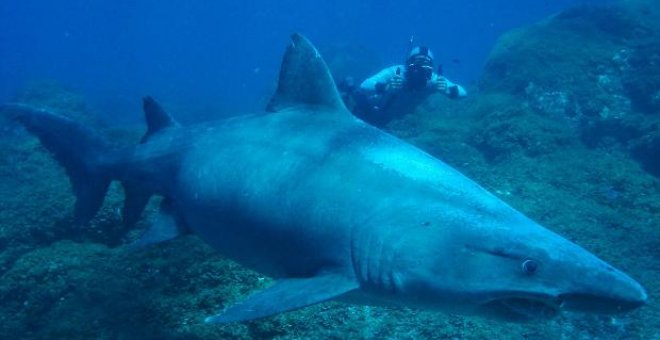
{"x": 378, "y": 82}
{"x": 452, "y": 90}
{"x": 455, "y": 90}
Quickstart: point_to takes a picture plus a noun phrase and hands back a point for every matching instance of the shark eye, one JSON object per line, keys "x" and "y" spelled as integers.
{"x": 529, "y": 266}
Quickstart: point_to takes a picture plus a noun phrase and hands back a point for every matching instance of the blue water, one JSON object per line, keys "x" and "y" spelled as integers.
{"x": 224, "y": 56}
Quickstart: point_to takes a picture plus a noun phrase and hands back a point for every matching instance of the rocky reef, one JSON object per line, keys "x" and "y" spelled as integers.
{"x": 596, "y": 68}
{"x": 563, "y": 126}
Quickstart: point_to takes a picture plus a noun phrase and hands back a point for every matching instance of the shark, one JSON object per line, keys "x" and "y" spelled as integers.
{"x": 332, "y": 209}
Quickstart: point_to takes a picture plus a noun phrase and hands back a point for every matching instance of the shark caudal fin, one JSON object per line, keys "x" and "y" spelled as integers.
{"x": 137, "y": 196}
{"x": 75, "y": 147}
{"x": 305, "y": 81}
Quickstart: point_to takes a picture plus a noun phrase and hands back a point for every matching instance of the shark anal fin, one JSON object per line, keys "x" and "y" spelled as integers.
{"x": 90, "y": 192}
{"x": 287, "y": 295}
{"x": 165, "y": 227}
{"x": 305, "y": 81}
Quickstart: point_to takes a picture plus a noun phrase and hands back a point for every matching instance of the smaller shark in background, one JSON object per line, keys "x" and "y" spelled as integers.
{"x": 333, "y": 208}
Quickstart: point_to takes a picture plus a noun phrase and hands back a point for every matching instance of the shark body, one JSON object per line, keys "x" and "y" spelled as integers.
{"x": 333, "y": 208}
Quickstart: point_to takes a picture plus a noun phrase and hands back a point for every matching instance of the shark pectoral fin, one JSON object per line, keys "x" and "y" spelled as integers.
{"x": 287, "y": 295}
{"x": 165, "y": 227}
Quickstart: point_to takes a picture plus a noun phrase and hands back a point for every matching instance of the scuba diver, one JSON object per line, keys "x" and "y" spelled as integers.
{"x": 398, "y": 89}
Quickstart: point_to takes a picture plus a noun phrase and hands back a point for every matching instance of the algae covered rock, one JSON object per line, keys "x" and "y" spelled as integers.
{"x": 56, "y": 97}
{"x": 570, "y": 52}
{"x": 595, "y": 69}
{"x": 52, "y": 95}
{"x": 507, "y": 126}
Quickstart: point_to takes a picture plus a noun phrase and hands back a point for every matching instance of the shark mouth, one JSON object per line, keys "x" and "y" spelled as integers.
{"x": 523, "y": 309}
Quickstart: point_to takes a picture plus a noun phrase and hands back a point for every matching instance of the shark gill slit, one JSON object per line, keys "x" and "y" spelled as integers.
{"x": 373, "y": 263}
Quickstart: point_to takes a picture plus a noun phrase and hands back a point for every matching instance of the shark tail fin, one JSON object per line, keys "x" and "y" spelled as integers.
{"x": 137, "y": 197}
{"x": 77, "y": 148}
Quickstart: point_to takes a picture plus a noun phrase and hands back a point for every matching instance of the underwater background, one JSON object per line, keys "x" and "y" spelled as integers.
{"x": 562, "y": 122}
{"x": 224, "y": 56}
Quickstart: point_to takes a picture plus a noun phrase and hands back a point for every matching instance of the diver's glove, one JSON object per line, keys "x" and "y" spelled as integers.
{"x": 395, "y": 83}
{"x": 440, "y": 84}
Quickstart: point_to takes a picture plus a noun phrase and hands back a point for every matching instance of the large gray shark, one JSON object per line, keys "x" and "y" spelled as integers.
{"x": 333, "y": 208}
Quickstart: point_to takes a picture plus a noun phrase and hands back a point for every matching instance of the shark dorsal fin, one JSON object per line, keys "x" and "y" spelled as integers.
{"x": 305, "y": 81}
{"x": 157, "y": 119}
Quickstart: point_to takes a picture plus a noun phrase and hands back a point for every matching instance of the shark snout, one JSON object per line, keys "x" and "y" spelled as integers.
{"x": 615, "y": 293}
{"x": 594, "y": 303}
